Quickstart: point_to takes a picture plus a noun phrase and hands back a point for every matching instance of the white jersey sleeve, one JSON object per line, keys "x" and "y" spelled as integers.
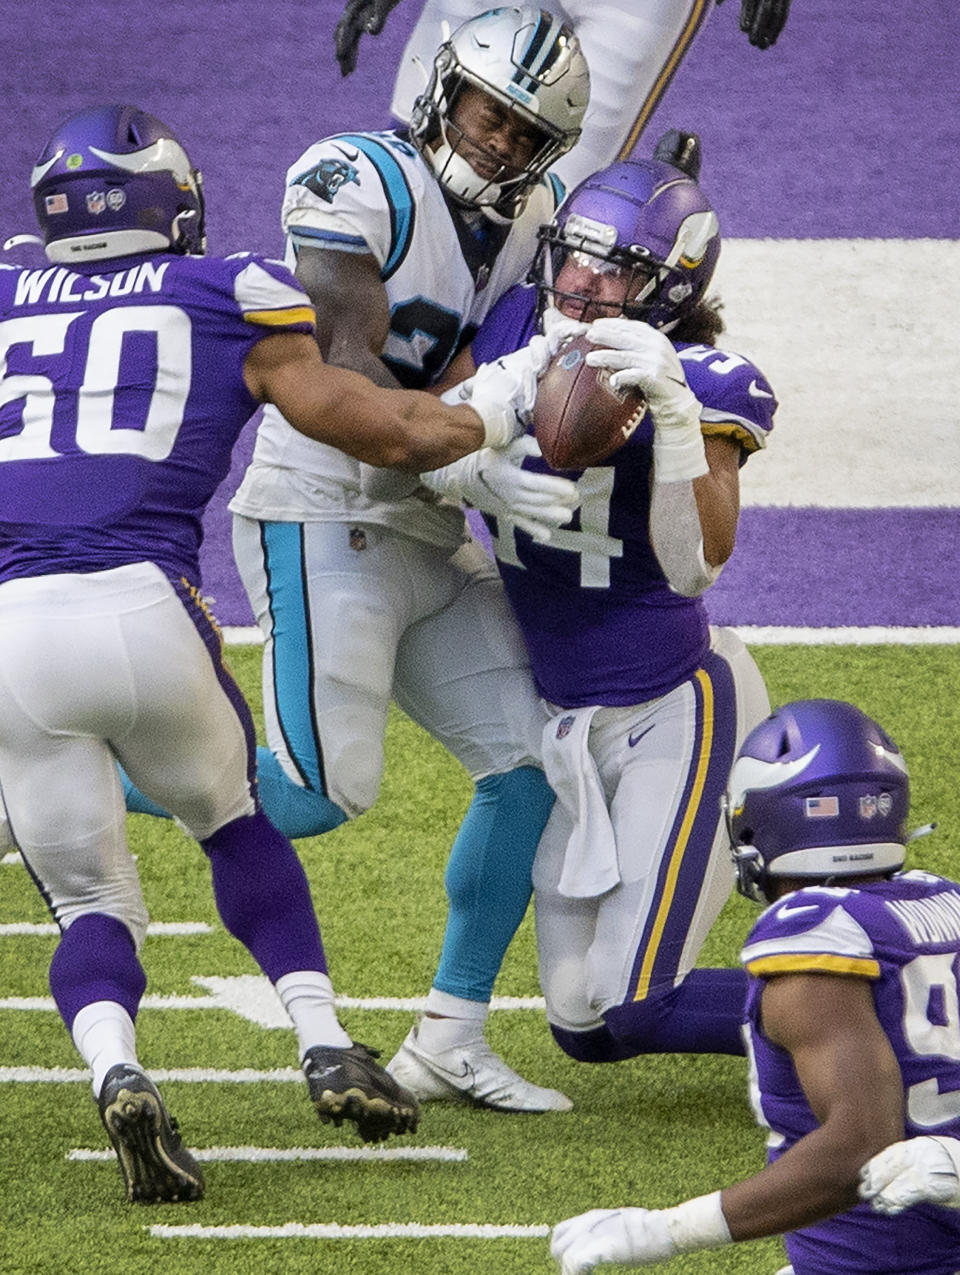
{"x": 351, "y": 193}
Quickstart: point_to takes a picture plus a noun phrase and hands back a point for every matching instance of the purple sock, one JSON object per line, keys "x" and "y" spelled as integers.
{"x": 96, "y": 960}
{"x": 701, "y": 1016}
{"x": 263, "y": 897}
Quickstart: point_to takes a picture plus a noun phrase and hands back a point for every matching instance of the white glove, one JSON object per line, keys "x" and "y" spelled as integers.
{"x": 643, "y": 358}
{"x": 558, "y": 329}
{"x": 492, "y": 480}
{"x": 915, "y": 1171}
{"x": 502, "y": 393}
{"x": 635, "y": 1237}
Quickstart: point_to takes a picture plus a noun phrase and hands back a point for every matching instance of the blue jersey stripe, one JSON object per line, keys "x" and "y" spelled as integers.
{"x": 329, "y": 238}
{"x": 399, "y": 198}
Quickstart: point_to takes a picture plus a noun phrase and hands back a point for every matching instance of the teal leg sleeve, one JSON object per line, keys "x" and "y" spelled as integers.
{"x": 296, "y": 811}
{"x": 488, "y": 879}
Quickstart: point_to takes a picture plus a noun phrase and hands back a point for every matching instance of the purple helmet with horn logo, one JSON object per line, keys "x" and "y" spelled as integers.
{"x": 114, "y": 181}
{"x": 818, "y": 791}
{"x": 642, "y": 216}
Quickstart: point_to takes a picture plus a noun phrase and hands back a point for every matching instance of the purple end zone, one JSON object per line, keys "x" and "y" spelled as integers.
{"x": 841, "y": 567}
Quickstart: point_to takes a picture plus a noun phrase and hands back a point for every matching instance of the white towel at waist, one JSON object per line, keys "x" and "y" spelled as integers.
{"x": 590, "y": 865}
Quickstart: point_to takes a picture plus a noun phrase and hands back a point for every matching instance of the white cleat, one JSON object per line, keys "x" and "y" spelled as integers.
{"x": 469, "y": 1073}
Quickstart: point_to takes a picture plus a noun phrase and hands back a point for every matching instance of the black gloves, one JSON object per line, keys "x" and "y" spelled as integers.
{"x": 358, "y": 17}
{"x": 762, "y": 20}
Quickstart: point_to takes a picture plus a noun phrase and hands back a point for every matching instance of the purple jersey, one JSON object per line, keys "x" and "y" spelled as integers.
{"x": 600, "y": 621}
{"x": 121, "y": 397}
{"x": 903, "y": 935}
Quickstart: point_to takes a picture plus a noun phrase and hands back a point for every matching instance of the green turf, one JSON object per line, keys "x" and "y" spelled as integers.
{"x": 651, "y": 1130}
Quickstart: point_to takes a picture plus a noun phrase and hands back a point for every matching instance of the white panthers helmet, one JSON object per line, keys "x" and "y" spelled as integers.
{"x": 530, "y": 62}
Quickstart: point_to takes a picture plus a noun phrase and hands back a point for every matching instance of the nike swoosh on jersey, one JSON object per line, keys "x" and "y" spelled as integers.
{"x": 633, "y": 740}
{"x": 754, "y": 390}
{"x": 347, "y": 151}
{"x": 785, "y": 911}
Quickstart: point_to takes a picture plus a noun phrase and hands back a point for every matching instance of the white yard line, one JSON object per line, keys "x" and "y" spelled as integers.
{"x": 756, "y": 635}
{"x": 411, "y": 1004}
{"x": 876, "y": 635}
{"x": 332, "y": 1231}
{"x": 263, "y": 1155}
{"x": 156, "y": 929}
{"x": 185, "y": 1075}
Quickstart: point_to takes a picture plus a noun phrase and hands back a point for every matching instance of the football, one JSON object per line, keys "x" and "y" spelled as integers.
{"x": 577, "y": 418}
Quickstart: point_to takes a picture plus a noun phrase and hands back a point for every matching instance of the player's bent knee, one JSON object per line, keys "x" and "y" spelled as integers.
{"x": 353, "y": 768}
{"x": 598, "y": 1045}
{"x": 639, "y": 1025}
{"x": 565, "y": 990}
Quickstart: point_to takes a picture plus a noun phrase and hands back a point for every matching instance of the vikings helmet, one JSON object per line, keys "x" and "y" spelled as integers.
{"x": 530, "y": 62}
{"x": 818, "y": 791}
{"x": 645, "y": 217}
{"x": 113, "y": 181}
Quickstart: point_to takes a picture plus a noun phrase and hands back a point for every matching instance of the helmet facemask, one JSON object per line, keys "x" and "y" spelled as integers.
{"x": 474, "y": 175}
{"x": 645, "y": 219}
{"x": 581, "y": 271}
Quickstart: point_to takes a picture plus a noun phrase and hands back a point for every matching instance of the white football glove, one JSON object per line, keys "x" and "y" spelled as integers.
{"x": 502, "y": 392}
{"x": 642, "y": 358}
{"x": 915, "y": 1171}
{"x": 558, "y": 329}
{"x": 492, "y": 481}
{"x": 635, "y": 1237}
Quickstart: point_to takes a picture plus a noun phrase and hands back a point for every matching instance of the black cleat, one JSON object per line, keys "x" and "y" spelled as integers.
{"x": 682, "y": 150}
{"x": 346, "y": 1084}
{"x": 154, "y": 1163}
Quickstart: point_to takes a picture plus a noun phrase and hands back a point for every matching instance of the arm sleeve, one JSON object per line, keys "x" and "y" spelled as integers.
{"x": 677, "y": 539}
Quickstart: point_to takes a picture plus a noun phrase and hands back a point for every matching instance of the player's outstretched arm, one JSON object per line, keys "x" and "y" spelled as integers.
{"x": 851, "y": 1079}
{"x": 402, "y": 429}
{"x": 923, "y": 1170}
{"x": 358, "y": 17}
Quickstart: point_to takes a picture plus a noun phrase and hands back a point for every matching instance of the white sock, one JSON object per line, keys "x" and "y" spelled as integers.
{"x": 307, "y": 996}
{"x": 451, "y": 1022}
{"x": 104, "y": 1035}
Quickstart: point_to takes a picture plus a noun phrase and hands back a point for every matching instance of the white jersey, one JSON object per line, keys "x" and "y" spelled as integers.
{"x": 373, "y": 193}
